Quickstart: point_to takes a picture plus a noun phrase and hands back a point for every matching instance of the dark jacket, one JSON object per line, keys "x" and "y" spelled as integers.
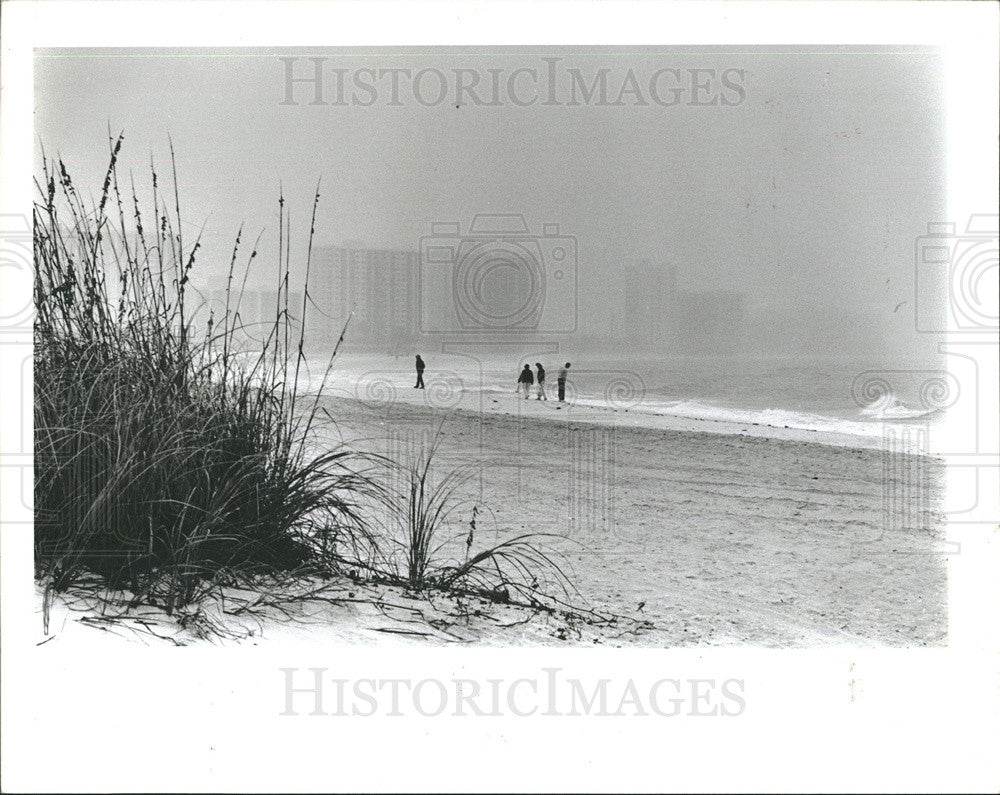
{"x": 526, "y": 377}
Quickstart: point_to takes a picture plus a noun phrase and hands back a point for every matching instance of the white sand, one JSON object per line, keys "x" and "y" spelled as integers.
{"x": 762, "y": 535}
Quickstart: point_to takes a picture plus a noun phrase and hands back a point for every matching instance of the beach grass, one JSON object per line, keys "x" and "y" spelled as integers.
{"x": 167, "y": 455}
{"x": 426, "y": 503}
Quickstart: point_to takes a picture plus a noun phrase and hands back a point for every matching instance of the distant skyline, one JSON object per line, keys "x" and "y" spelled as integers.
{"x": 802, "y": 188}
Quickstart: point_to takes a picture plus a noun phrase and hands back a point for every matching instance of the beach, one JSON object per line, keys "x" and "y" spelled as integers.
{"x": 684, "y": 531}
{"x": 717, "y": 534}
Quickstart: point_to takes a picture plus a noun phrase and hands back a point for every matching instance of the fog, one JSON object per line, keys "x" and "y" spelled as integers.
{"x": 700, "y": 201}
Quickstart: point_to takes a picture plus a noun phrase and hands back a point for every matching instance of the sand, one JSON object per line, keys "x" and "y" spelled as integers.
{"x": 723, "y": 534}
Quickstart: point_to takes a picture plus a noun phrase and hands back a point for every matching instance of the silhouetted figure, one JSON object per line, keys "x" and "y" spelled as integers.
{"x": 563, "y": 373}
{"x": 525, "y": 380}
{"x": 541, "y": 383}
{"x": 420, "y": 373}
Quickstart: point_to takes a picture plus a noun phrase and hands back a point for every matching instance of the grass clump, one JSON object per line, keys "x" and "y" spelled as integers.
{"x": 424, "y": 543}
{"x": 167, "y": 456}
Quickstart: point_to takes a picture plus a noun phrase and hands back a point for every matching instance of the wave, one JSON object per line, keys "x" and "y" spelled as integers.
{"x": 889, "y": 407}
{"x": 771, "y": 417}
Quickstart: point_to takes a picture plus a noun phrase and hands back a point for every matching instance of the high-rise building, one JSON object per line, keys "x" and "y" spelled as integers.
{"x": 374, "y": 289}
{"x": 709, "y": 322}
{"x": 648, "y": 312}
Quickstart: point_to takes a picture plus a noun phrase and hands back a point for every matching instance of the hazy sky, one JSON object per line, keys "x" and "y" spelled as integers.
{"x": 802, "y": 187}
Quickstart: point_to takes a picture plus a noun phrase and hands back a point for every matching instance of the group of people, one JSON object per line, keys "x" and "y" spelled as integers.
{"x": 527, "y": 378}
{"x": 524, "y": 381}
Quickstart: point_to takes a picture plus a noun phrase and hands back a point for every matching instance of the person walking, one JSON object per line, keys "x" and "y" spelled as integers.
{"x": 420, "y": 373}
{"x": 561, "y": 380}
{"x": 541, "y": 383}
{"x": 525, "y": 380}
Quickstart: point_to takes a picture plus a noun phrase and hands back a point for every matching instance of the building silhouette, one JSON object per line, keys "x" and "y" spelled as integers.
{"x": 649, "y": 312}
{"x": 374, "y": 289}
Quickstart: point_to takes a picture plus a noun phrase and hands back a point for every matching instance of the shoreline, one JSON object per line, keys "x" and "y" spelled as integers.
{"x": 896, "y": 435}
{"x": 616, "y": 393}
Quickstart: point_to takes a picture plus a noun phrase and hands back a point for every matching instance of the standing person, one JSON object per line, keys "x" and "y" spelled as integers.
{"x": 563, "y": 373}
{"x": 420, "y": 373}
{"x": 525, "y": 380}
{"x": 541, "y": 383}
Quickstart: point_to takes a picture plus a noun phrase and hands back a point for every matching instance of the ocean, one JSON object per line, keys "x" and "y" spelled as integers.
{"x": 855, "y": 397}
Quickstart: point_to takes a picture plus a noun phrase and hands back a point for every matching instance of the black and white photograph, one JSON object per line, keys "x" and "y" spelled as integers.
{"x": 435, "y": 377}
